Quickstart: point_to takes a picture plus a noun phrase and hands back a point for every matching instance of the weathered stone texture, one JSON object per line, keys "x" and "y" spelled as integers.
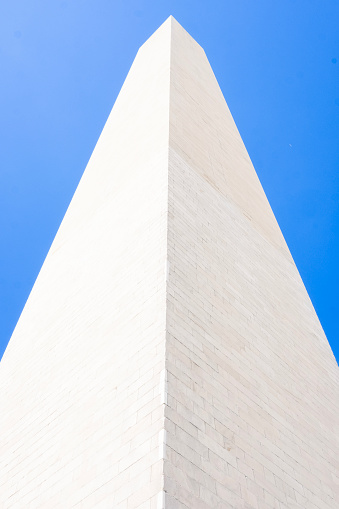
{"x": 252, "y": 382}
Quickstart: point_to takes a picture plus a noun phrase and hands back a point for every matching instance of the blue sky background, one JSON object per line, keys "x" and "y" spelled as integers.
{"x": 62, "y": 64}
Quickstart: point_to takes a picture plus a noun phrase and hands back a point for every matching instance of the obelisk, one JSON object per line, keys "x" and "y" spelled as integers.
{"x": 168, "y": 356}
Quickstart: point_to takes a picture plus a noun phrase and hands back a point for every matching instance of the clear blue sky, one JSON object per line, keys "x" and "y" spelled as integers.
{"x": 62, "y": 64}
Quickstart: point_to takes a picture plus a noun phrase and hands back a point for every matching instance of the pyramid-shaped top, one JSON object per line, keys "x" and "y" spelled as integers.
{"x": 168, "y": 355}
{"x": 195, "y": 99}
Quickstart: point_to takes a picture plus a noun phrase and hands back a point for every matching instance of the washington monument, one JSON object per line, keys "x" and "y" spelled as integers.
{"x": 169, "y": 356}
